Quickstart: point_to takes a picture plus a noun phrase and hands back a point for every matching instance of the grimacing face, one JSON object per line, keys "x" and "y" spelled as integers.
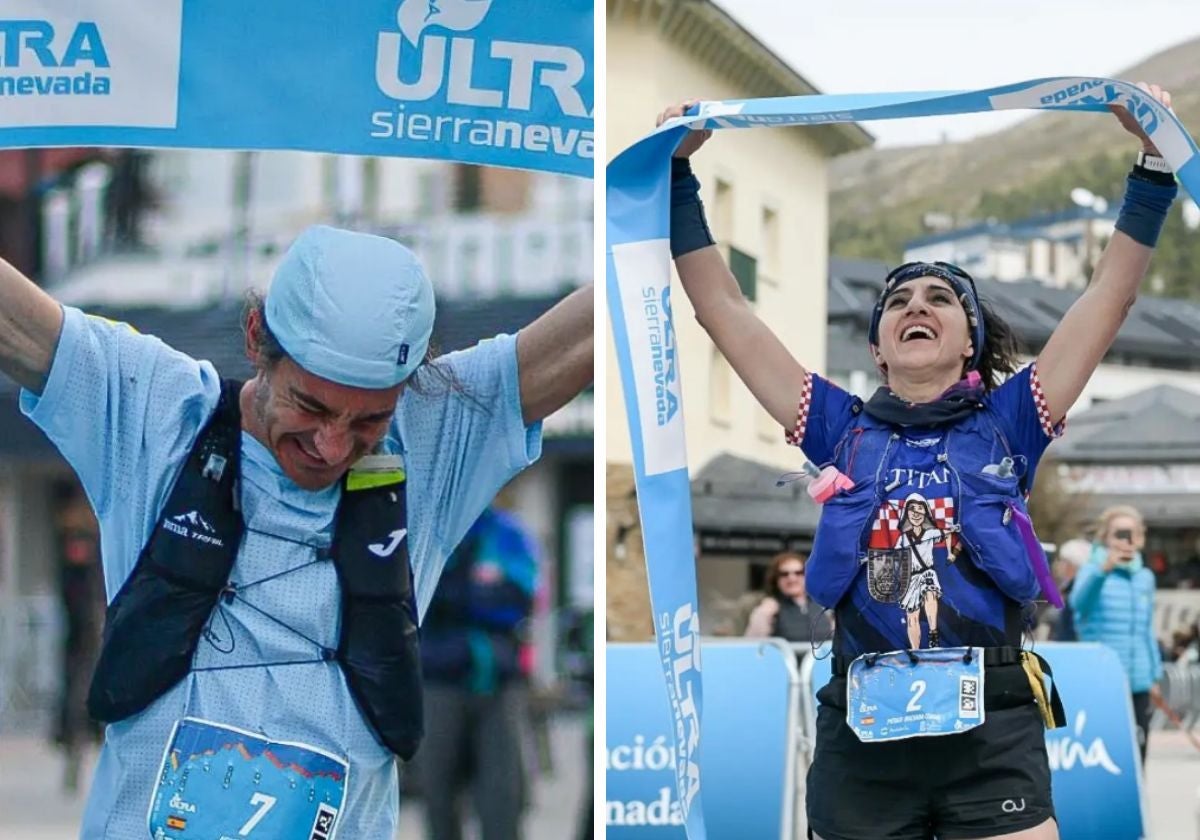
{"x": 924, "y": 327}
{"x": 315, "y": 428}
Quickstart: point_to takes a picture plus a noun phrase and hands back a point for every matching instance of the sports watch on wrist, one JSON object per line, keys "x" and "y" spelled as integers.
{"x": 1154, "y": 163}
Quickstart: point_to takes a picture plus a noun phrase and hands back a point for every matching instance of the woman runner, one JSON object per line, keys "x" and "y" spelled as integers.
{"x": 956, "y": 423}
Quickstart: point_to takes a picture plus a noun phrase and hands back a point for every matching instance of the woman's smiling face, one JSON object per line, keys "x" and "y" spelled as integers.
{"x": 923, "y": 330}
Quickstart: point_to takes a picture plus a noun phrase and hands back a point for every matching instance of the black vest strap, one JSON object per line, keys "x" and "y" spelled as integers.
{"x": 378, "y": 648}
{"x": 152, "y": 626}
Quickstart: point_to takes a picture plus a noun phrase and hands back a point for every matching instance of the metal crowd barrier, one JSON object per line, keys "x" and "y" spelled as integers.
{"x": 30, "y": 662}
{"x": 806, "y": 732}
{"x": 1180, "y": 687}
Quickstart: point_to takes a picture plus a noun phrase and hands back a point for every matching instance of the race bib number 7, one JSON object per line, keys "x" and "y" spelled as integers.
{"x": 227, "y": 784}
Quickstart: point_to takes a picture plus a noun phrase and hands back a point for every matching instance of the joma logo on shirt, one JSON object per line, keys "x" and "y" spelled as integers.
{"x": 193, "y": 526}
{"x": 905, "y": 477}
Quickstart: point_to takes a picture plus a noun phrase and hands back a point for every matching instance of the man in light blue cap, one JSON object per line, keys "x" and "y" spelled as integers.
{"x": 269, "y": 545}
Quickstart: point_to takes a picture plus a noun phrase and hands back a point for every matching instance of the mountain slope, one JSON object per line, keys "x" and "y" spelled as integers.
{"x": 878, "y": 197}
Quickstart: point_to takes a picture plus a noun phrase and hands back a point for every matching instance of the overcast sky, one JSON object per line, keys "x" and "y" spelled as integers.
{"x": 867, "y": 46}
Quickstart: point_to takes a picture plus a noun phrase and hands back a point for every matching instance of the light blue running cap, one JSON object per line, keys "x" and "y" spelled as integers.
{"x": 353, "y": 308}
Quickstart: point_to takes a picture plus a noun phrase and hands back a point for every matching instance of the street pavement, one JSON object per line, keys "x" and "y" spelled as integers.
{"x": 33, "y": 806}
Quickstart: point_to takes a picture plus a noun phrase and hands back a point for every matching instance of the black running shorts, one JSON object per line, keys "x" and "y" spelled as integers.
{"x": 991, "y": 780}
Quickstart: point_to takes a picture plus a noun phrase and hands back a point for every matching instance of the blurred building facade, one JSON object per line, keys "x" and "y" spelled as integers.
{"x": 1060, "y": 249}
{"x": 766, "y": 199}
{"x": 170, "y": 241}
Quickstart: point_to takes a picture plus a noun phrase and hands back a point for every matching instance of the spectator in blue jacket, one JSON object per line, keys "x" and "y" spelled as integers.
{"x": 1113, "y": 600}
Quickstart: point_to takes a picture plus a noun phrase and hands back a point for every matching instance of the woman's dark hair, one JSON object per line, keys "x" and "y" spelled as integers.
{"x": 999, "y": 359}
{"x": 772, "y": 582}
{"x": 431, "y": 376}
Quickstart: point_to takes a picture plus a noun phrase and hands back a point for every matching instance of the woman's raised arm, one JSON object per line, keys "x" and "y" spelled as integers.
{"x": 758, "y": 357}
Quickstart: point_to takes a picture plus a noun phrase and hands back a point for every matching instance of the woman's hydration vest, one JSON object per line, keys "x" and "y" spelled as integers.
{"x": 155, "y": 623}
{"x": 988, "y": 502}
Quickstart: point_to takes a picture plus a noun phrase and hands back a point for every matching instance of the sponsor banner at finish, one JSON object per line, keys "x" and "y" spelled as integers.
{"x": 498, "y": 82}
{"x": 750, "y": 745}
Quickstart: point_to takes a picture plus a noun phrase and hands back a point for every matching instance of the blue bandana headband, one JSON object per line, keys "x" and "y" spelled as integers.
{"x": 959, "y": 280}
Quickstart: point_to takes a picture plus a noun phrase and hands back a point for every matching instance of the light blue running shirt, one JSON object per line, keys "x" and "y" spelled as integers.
{"x": 124, "y": 410}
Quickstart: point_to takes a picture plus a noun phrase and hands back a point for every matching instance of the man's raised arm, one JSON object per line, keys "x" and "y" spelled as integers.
{"x": 555, "y": 355}
{"x": 30, "y": 322}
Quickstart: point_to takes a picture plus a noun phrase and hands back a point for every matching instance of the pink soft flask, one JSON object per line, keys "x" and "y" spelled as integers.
{"x": 828, "y": 484}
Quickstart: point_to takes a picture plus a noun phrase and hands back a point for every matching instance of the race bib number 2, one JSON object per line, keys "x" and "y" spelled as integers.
{"x": 227, "y": 784}
{"x": 890, "y": 697}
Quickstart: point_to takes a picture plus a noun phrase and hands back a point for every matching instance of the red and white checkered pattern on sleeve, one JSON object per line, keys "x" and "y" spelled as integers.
{"x": 1043, "y": 410}
{"x": 796, "y": 436}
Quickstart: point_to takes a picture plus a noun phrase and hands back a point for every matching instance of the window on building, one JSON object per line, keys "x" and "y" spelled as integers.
{"x": 431, "y": 194}
{"x": 722, "y": 217}
{"x": 745, "y": 269}
{"x": 371, "y": 198}
{"x": 720, "y": 377}
{"x": 468, "y": 188}
{"x": 768, "y": 430}
{"x": 771, "y": 257}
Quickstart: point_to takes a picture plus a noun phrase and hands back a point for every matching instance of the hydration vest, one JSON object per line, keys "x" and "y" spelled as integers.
{"x": 984, "y": 504}
{"x": 155, "y": 623}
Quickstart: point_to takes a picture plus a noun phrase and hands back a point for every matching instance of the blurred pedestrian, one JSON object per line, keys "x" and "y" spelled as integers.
{"x": 786, "y": 611}
{"x": 81, "y": 588}
{"x": 1113, "y": 599}
{"x": 474, "y": 644}
{"x": 580, "y": 647}
{"x": 1072, "y": 555}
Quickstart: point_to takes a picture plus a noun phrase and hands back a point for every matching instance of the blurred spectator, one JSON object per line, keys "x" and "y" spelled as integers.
{"x": 1113, "y": 599}
{"x": 1189, "y": 574}
{"x": 578, "y": 665}
{"x": 1166, "y": 576}
{"x": 1071, "y": 556}
{"x": 81, "y": 587}
{"x": 474, "y": 653}
{"x": 1185, "y": 645}
{"x": 786, "y": 611}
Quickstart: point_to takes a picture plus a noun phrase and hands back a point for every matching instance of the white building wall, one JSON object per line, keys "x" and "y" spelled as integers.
{"x": 964, "y": 252}
{"x": 780, "y": 170}
{"x": 544, "y": 250}
{"x": 1009, "y": 260}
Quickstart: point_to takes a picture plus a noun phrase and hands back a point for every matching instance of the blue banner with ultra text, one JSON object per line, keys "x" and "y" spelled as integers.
{"x": 498, "y": 82}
